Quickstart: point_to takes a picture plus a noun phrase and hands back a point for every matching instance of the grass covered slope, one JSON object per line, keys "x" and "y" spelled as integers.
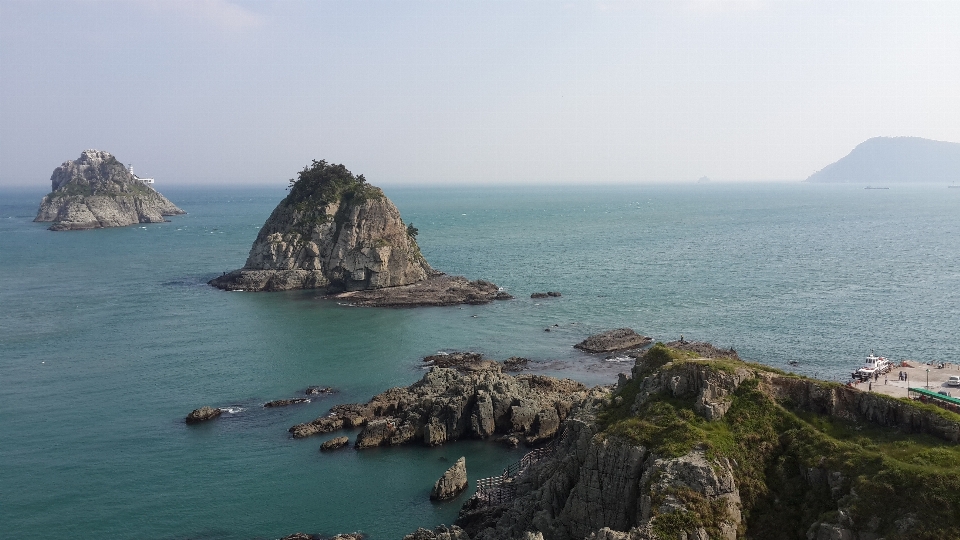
{"x": 800, "y": 473}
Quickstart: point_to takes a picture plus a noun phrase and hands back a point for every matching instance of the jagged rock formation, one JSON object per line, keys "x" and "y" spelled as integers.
{"x": 452, "y": 482}
{"x": 97, "y": 191}
{"x": 618, "y": 339}
{"x": 895, "y": 159}
{"x": 446, "y": 405}
{"x": 698, "y": 448}
{"x": 337, "y": 233}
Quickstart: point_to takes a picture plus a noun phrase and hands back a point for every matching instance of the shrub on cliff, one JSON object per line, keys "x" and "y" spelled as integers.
{"x": 322, "y": 183}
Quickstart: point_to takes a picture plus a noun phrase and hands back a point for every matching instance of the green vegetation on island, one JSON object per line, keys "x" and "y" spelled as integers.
{"x": 793, "y": 467}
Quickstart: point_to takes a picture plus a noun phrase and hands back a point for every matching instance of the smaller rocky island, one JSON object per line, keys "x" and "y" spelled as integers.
{"x": 336, "y": 233}
{"x": 97, "y": 191}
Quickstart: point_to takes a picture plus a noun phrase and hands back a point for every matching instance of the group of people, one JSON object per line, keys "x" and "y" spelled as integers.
{"x": 903, "y": 375}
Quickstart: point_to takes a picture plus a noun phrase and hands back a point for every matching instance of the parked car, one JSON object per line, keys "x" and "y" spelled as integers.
{"x": 954, "y": 380}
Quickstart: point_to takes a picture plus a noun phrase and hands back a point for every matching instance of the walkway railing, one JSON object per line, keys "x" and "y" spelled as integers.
{"x": 502, "y": 489}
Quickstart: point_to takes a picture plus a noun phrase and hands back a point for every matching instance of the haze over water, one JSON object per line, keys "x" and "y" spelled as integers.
{"x": 109, "y": 338}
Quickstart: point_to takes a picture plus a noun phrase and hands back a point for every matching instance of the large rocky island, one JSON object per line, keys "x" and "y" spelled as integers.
{"x": 895, "y": 160}
{"x": 97, "y": 191}
{"x": 337, "y": 233}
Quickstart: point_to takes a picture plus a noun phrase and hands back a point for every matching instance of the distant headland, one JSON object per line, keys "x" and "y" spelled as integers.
{"x": 895, "y": 160}
{"x": 97, "y": 191}
{"x": 337, "y": 233}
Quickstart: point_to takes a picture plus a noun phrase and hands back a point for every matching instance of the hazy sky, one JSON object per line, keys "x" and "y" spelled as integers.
{"x": 220, "y": 91}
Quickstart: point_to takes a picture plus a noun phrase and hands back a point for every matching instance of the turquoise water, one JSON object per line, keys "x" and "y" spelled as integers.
{"x": 109, "y": 338}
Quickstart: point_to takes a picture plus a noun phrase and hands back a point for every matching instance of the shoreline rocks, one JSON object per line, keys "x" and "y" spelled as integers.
{"x": 619, "y": 339}
{"x": 202, "y": 415}
{"x": 448, "y": 404}
{"x": 97, "y": 191}
{"x": 452, "y": 482}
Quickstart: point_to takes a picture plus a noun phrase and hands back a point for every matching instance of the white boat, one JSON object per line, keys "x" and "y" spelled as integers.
{"x": 872, "y": 366}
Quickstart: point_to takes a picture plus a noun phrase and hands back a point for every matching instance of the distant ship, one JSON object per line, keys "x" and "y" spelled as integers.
{"x": 870, "y": 187}
{"x": 144, "y": 180}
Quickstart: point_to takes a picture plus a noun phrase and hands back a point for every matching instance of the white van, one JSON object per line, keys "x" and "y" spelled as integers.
{"x": 954, "y": 380}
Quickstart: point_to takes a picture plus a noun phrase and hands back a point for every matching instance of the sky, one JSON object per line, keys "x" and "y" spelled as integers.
{"x": 231, "y": 92}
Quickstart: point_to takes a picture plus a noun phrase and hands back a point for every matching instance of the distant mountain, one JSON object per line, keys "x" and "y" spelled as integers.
{"x": 895, "y": 159}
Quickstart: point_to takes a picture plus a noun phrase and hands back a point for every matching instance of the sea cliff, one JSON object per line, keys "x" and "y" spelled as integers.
{"x": 689, "y": 447}
{"x": 97, "y": 191}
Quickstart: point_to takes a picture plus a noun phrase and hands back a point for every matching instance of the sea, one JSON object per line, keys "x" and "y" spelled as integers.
{"x": 109, "y": 338}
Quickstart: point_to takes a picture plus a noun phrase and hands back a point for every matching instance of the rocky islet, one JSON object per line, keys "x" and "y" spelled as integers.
{"x": 97, "y": 191}
{"x": 336, "y": 233}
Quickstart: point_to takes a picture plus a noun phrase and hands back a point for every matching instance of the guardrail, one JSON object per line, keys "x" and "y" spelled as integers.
{"x": 502, "y": 489}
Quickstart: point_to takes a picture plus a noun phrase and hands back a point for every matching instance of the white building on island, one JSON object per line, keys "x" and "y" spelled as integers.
{"x": 144, "y": 180}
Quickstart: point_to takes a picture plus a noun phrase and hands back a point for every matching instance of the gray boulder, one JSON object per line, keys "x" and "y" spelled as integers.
{"x": 452, "y": 483}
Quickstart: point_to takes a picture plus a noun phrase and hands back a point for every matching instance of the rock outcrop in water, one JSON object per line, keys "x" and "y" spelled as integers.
{"x": 619, "y": 339}
{"x": 97, "y": 191}
{"x": 337, "y": 233}
{"x": 449, "y": 404}
{"x": 202, "y": 415}
{"x": 452, "y": 482}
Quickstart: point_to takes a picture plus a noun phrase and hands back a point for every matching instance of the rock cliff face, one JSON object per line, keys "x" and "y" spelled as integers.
{"x": 97, "y": 191}
{"x": 337, "y": 233}
{"x": 693, "y": 448}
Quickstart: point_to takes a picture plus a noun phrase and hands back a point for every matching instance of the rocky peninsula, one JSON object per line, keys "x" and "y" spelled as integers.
{"x": 97, "y": 191}
{"x": 693, "y": 443}
{"x": 337, "y": 233}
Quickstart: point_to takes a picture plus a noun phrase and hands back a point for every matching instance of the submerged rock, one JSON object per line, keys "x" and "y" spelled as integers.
{"x": 613, "y": 340}
{"x": 203, "y": 414}
{"x": 452, "y": 483}
{"x": 97, "y": 191}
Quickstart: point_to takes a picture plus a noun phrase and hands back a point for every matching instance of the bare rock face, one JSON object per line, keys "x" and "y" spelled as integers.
{"x": 452, "y": 483}
{"x": 613, "y": 340}
{"x": 97, "y": 191}
{"x": 333, "y": 231}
